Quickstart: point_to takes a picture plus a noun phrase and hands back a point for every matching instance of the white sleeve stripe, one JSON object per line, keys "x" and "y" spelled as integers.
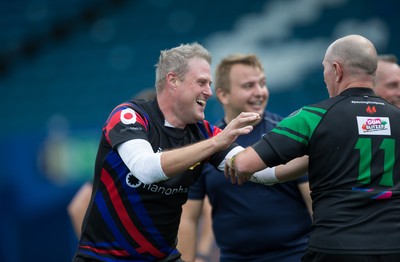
{"x": 143, "y": 163}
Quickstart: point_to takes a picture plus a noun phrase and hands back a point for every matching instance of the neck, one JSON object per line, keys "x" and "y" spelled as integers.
{"x": 167, "y": 108}
{"x": 367, "y": 82}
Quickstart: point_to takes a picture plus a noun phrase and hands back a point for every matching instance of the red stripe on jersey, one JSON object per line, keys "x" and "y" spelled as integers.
{"x": 141, "y": 120}
{"x": 213, "y": 132}
{"x": 125, "y": 219}
{"x": 116, "y": 118}
{"x": 107, "y": 251}
{"x": 216, "y": 131}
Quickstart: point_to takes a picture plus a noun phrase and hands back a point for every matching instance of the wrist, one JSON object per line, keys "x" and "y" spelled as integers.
{"x": 266, "y": 176}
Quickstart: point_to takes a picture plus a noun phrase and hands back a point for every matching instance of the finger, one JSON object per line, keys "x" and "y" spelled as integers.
{"x": 246, "y": 129}
{"x": 239, "y": 181}
{"x": 243, "y": 180}
{"x": 248, "y": 114}
{"x": 248, "y": 117}
{"x": 226, "y": 170}
{"x": 233, "y": 176}
{"x": 229, "y": 173}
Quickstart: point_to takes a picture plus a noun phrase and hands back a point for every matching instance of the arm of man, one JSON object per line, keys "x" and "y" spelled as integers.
{"x": 176, "y": 161}
{"x": 187, "y": 236}
{"x": 243, "y": 165}
{"x": 305, "y": 192}
{"x": 150, "y": 167}
{"x": 77, "y": 207}
{"x": 206, "y": 235}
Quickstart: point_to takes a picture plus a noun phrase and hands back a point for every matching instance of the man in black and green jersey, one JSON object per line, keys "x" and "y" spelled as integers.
{"x": 352, "y": 140}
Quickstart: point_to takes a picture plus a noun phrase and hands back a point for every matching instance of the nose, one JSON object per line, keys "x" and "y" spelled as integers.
{"x": 260, "y": 89}
{"x": 207, "y": 91}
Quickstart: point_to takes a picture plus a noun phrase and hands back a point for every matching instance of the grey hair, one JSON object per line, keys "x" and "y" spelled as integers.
{"x": 176, "y": 60}
{"x": 356, "y": 53}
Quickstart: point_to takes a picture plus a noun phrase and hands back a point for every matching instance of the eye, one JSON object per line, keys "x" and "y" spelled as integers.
{"x": 204, "y": 83}
{"x": 248, "y": 85}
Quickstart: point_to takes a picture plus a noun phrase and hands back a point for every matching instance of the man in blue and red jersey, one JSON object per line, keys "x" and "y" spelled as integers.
{"x": 150, "y": 152}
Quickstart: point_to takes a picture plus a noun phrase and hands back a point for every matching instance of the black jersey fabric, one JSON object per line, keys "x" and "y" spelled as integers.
{"x": 128, "y": 220}
{"x": 354, "y": 152}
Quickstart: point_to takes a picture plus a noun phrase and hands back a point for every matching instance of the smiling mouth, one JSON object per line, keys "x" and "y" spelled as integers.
{"x": 201, "y": 102}
{"x": 256, "y": 103}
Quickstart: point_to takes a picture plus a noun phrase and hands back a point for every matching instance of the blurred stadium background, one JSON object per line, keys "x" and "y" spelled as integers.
{"x": 65, "y": 64}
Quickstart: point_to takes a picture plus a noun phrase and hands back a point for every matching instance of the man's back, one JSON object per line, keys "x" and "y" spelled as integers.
{"x": 352, "y": 140}
{"x": 353, "y": 170}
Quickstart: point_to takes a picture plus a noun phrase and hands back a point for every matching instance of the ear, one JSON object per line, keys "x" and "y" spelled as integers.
{"x": 222, "y": 96}
{"x": 172, "y": 80}
{"x": 338, "y": 71}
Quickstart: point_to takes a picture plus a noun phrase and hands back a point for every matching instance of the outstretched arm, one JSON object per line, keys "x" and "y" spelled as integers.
{"x": 177, "y": 160}
{"x": 242, "y": 166}
{"x": 150, "y": 167}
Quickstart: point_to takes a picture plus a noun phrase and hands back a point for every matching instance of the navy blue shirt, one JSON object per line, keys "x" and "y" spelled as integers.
{"x": 255, "y": 222}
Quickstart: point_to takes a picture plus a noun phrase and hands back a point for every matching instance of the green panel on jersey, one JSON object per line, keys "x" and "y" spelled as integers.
{"x": 301, "y": 125}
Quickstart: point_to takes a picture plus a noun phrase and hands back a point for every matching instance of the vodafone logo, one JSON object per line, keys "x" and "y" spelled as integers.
{"x": 128, "y": 116}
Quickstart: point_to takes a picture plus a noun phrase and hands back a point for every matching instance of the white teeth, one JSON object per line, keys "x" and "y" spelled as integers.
{"x": 201, "y": 102}
{"x": 256, "y": 102}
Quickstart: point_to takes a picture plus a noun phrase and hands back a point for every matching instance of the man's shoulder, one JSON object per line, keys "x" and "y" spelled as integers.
{"x": 142, "y": 103}
{"x": 144, "y": 107}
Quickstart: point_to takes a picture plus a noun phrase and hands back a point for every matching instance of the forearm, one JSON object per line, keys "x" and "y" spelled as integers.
{"x": 306, "y": 194}
{"x": 206, "y": 236}
{"x": 187, "y": 233}
{"x": 187, "y": 240}
{"x": 150, "y": 167}
{"x": 247, "y": 162}
{"x": 77, "y": 207}
{"x": 176, "y": 161}
{"x": 248, "y": 165}
{"x": 292, "y": 169}
{"x": 289, "y": 171}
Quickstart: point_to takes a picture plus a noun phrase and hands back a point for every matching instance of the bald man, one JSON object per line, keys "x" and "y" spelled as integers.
{"x": 352, "y": 141}
{"x": 387, "y": 80}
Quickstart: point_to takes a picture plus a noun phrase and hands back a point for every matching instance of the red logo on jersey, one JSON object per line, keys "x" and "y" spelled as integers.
{"x": 128, "y": 116}
{"x": 371, "y": 110}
